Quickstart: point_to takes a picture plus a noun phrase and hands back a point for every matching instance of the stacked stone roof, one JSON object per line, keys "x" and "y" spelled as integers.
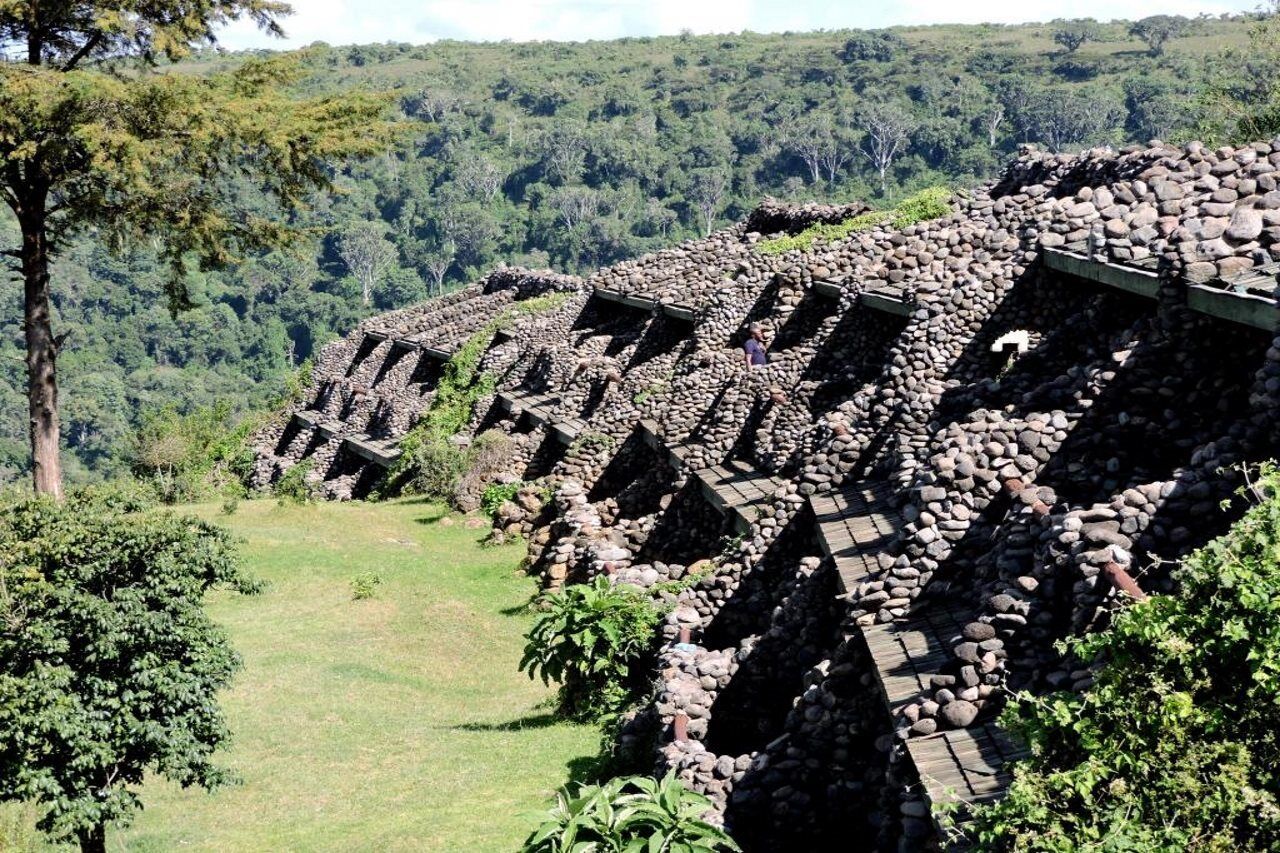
{"x": 976, "y": 435}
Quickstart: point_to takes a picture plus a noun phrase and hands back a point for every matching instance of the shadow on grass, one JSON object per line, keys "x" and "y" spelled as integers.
{"x": 530, "y": 721}
{"x": 519, "y": 609}
{"x": 418, "y": 500}
{"x": 588, "y": 769}
{"x": 438, "y": 513}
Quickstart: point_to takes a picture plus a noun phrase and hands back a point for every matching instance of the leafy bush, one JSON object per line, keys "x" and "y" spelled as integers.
{"x": 364, "y": 585}
{"x": 434, "y": 466}
{"x": 589, "y": 638}
{"x": 488, "y": 456}
{"x": 110, "y": 669}
{"x": 922, "y": 206}
{"x": 1175, "y": 746}
{"x": 497, "y": 493}
{"x": 629, "y": 814}
{"x": 293, "y": 485}
{"x": 186, "y": 457}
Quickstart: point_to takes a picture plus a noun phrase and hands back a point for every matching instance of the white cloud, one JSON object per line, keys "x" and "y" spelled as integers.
{"x": 364, "y": 21}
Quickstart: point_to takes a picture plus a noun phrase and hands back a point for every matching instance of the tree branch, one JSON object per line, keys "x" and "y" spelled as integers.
{"x": 85, "y": 49}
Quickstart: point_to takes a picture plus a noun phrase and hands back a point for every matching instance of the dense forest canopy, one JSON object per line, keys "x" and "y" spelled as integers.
{"x": 574, "y": 155}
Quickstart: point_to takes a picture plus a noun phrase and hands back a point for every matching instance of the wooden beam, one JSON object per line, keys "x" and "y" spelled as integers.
{"x": 1139, "y": 282}
{"x": 1247, "y": 309}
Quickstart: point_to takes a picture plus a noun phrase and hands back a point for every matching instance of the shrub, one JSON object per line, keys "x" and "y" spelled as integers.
{"x": 591, "y": 442}
{"x": 590, "y": 638}
{"x": 187, "y": 457}
{"x": 364, "y": 585}
{"x": 294, "y": 486}
{"x": 497, "y": 493}
{"x": 435, "y": 465}
{"x": 629, "y": 814}
{"x": 488, "y": 456}
{"x": 1175, "y": 746}
{"x": 110, "y": 669}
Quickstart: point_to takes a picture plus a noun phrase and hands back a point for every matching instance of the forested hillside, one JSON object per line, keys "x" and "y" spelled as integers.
{"x": 577, "y": 155}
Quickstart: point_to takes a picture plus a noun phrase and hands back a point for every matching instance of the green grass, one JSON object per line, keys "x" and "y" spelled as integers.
{"x": 398, "y": 722}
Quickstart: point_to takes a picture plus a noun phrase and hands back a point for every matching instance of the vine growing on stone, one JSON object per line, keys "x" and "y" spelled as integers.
{"x": 1175, "y": 746}
{"x": 430, "y": 462}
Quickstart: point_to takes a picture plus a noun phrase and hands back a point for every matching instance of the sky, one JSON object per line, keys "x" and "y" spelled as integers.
{"x": 340, "y": 22}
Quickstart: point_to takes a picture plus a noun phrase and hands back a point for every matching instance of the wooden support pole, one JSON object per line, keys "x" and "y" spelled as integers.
{"x": 680, "y": 726}
{"x": 1123, "y": 581}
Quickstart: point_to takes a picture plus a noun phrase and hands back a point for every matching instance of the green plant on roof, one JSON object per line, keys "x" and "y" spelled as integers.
{"x": 592, "y": 442}
{"x": 430, "y": 462}
{"x": 927, "y": 204}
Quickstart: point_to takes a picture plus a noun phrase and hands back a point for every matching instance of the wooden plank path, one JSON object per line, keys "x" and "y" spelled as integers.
{"x": 567, "y": 431}
{"x": 538, "y": 407}
{"x": 384, "y": 452}
{"x": 906, "y": 653}
{"x": 855, "y": 525}
{"x": 736, "y": 484}
{"x": 1248, "y": 298}
{"x": 890, "y": 298}
{"x": 967, "y": 766}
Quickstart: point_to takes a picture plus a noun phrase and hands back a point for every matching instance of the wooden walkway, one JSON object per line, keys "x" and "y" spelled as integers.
{"x": 855, "y": 525}
{"x": 735, "y": 484}
{"x": 908, "y": 652}
{"x": 1248, "y": 298}
{"x": 540, "y": 410}
{"x": 379, "y": 452}
{"x": 965, "y": 766}
{"x": 890, "y": 298}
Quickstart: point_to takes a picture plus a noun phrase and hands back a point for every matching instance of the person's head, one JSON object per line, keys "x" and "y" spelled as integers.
{"x": 757, "y": 331}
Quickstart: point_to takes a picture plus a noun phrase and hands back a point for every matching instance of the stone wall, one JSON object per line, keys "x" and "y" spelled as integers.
{"x": 976, "y": 435}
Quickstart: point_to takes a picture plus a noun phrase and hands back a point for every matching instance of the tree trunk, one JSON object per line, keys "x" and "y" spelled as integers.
{"x": 94, "y": 840}
{"x": 42, "y": 356}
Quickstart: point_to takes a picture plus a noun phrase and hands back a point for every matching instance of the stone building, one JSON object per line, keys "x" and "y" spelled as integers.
{"x": 975, "y": 435}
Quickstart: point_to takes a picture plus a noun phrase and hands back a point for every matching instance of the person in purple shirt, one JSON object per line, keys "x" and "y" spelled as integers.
{"x": 753, "y": 350}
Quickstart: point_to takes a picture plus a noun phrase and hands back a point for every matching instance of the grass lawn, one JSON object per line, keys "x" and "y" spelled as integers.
{"x": 392, "y": 723}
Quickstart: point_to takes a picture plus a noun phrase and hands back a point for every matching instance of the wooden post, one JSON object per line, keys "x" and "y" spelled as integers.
{"x": 1123, "y": 581}
{"x": 680, "y": 726}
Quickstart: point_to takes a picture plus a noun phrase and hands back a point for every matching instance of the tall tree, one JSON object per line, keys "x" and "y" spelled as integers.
{"x": 1073, "y": 34}
{"x": 1065, "y": 117}
{"x": 824, "y": 145}
{"x": 1155, "y": 30}
{"x": 368, "y": 254}
{"x": 436, "y": 262}
{"x": 707, "y": 190}
{"x": 888, "y": 126}
{"x": 145, "y": 157}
